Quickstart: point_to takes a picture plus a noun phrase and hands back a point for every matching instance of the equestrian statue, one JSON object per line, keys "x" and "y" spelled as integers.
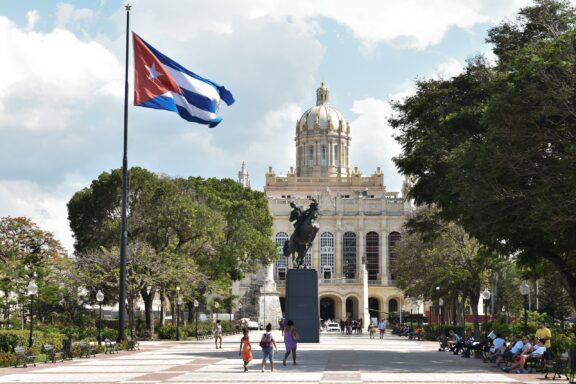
{"x": 305, "y": 228}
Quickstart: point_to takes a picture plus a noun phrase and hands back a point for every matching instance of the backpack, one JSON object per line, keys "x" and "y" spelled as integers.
{"x": 266, "y": 340}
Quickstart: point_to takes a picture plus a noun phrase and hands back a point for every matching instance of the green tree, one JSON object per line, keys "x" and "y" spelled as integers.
{"x": 27, "y": 252}
{"x": 554, "y": 301}
{"x": 203, "y": 234}
{"x": 494, "y": 147}
{"x": 451, "y": 258}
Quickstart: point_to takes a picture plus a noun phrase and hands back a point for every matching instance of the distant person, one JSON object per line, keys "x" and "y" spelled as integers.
{"x": 218, "y": 334}
{"x": 291, "y": 338}
{"x": 371, "y": 329}
{"x": 245, "y": 349}
{"x": 544, "y": 335}
{"x": 453, "y": 340}
{"x": 382, "y": 328}
{"x": 268, "y": 345}
{"x": 281, "y": 325}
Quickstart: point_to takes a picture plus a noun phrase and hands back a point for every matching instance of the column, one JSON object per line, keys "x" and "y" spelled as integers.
{"x": 384, "y": 259}
{"x": 338, "y": 254}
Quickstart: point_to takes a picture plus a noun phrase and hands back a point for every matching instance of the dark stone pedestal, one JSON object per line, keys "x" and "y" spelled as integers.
{"x": 302, "y": 303}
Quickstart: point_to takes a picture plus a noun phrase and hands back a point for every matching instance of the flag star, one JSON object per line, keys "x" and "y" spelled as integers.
{"x": 152, "y": 72}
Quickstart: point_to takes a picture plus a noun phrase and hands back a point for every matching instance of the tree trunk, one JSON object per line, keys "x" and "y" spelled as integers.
{"x": 172, "y": 302}
{"x": 566, "y": 273}
{"x": 162, "y": 307}
{"x": 474, "y": 300}
{"x": 190, "y": 312}
{"x": 131, "y": 314}
{"x": 148, "y": 298}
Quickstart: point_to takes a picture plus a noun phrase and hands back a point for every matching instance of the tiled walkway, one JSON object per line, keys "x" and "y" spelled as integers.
{"x": 337, "y": 359}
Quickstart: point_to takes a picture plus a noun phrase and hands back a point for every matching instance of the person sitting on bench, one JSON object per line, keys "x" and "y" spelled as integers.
{"x": 515, "y": 348}
{"x": 519, "y": 366}
{"x": 498, "y": 347}
{"x": 453, "y": 340}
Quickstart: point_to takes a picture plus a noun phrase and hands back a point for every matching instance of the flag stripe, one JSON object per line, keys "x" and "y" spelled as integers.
{"x": 200, "y": 94}
{"x": 168, "y": 62}
{"x": 161, "y": 83}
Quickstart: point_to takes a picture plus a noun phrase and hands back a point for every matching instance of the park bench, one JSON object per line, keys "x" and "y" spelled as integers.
{"x": 87, "y": 349}
{"x": 23, "y": 357}
{"x": 133, "y": 344}
{"x": 51, "y": 353}
{"x": 110, "y": 346}
{"x": 556, "y": 367}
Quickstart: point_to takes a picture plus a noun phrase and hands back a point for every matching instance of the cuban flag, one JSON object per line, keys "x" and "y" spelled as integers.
{"x": 162, "y": 83}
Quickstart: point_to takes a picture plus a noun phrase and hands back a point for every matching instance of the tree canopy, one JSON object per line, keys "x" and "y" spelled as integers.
{"x": 495, "y": 147}
{"x": 196, "y": 234}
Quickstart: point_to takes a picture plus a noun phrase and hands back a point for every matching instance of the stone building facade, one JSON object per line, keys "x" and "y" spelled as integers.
{"x": 360, "y": 220}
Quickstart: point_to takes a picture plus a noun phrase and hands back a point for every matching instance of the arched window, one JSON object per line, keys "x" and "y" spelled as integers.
{"x": 282, "y": 263}
{"x": 374, "y": 308}
{"x": 392, "y": 305}
{"x": 393, "y": 238}
{"x": 349, "y": 259}
{"x": 336, "y": 154}
{"x": 327, "y": 308}
{"x": 372, "y": 255}
{"x": 308, "y": 259}
{"x": 310, "y": 155}
{"x": 323, "y": 155}
{"x": 327, "y": 254}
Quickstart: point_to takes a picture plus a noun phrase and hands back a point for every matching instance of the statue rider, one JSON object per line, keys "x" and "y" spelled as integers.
{"x": 296, "y": 214}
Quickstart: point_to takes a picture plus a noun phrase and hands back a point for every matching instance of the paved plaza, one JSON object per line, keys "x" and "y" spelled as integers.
{"x": 337, "y": 359}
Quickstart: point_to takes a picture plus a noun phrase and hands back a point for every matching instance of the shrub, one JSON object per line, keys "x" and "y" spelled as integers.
{"x": 7, "y": 359}
{"x": 167, "y": 332}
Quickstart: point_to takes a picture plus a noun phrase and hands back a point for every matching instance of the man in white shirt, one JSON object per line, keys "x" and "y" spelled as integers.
{"x": 537, "y": 352}
{"x": 497, "y": 344}
{"x": 516, "y": 348}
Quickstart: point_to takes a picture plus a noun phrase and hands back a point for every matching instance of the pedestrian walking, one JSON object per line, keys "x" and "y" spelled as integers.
{"x": 245, "y": 348}
{"x": 218, "y": 334}
{"x": 371, "y": 329}
{"x": 291, "y": 338}
{"x": 382, "y": 328}
{"x": 268, "y": 345}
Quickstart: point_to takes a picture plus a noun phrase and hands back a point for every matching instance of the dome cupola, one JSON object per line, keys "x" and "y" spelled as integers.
{"x": 322, "y": 139}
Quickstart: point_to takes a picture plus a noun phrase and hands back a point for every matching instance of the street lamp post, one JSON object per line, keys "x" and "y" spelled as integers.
{"x": 524, "y": 291}
{"x": 177, "y": 313}
{"x": 486, "y": 296}
{"x": 440, "y": 305}
{"x": 216, "y": 305}
{"x": 32, "y": 291}
{"x": 99, "y": 299}
{"x": 196, "y": 304}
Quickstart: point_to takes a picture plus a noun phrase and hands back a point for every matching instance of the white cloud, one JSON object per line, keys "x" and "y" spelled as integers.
{"x": 45, "y": 208}
{"x": 67, "y": 14}
{"x": 50, "y": 76}
{"x": 406, "y": 24}
{"x": 448, "y": 69}
{"x": 32, "y": 18}
{"x": 372, "y": 141}
{"x": 275, "y": 144}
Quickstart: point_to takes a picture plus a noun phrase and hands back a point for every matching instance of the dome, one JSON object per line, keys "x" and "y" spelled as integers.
{"x": 322, "y": 116}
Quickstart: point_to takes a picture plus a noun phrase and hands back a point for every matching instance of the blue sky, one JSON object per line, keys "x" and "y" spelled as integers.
{"x": 61, "y": 88}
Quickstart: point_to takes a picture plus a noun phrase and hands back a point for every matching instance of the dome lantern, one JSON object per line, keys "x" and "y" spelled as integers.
{"x": 322, "y": 95}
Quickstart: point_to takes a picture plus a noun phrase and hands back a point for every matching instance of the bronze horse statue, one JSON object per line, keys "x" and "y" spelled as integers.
{"x": 305, "y": 229}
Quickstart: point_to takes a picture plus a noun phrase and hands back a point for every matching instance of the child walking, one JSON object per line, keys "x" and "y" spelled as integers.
{"x": 290, "y": 341}
{"x": 245, "y": 349}
{"x": 268, "y": 345}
